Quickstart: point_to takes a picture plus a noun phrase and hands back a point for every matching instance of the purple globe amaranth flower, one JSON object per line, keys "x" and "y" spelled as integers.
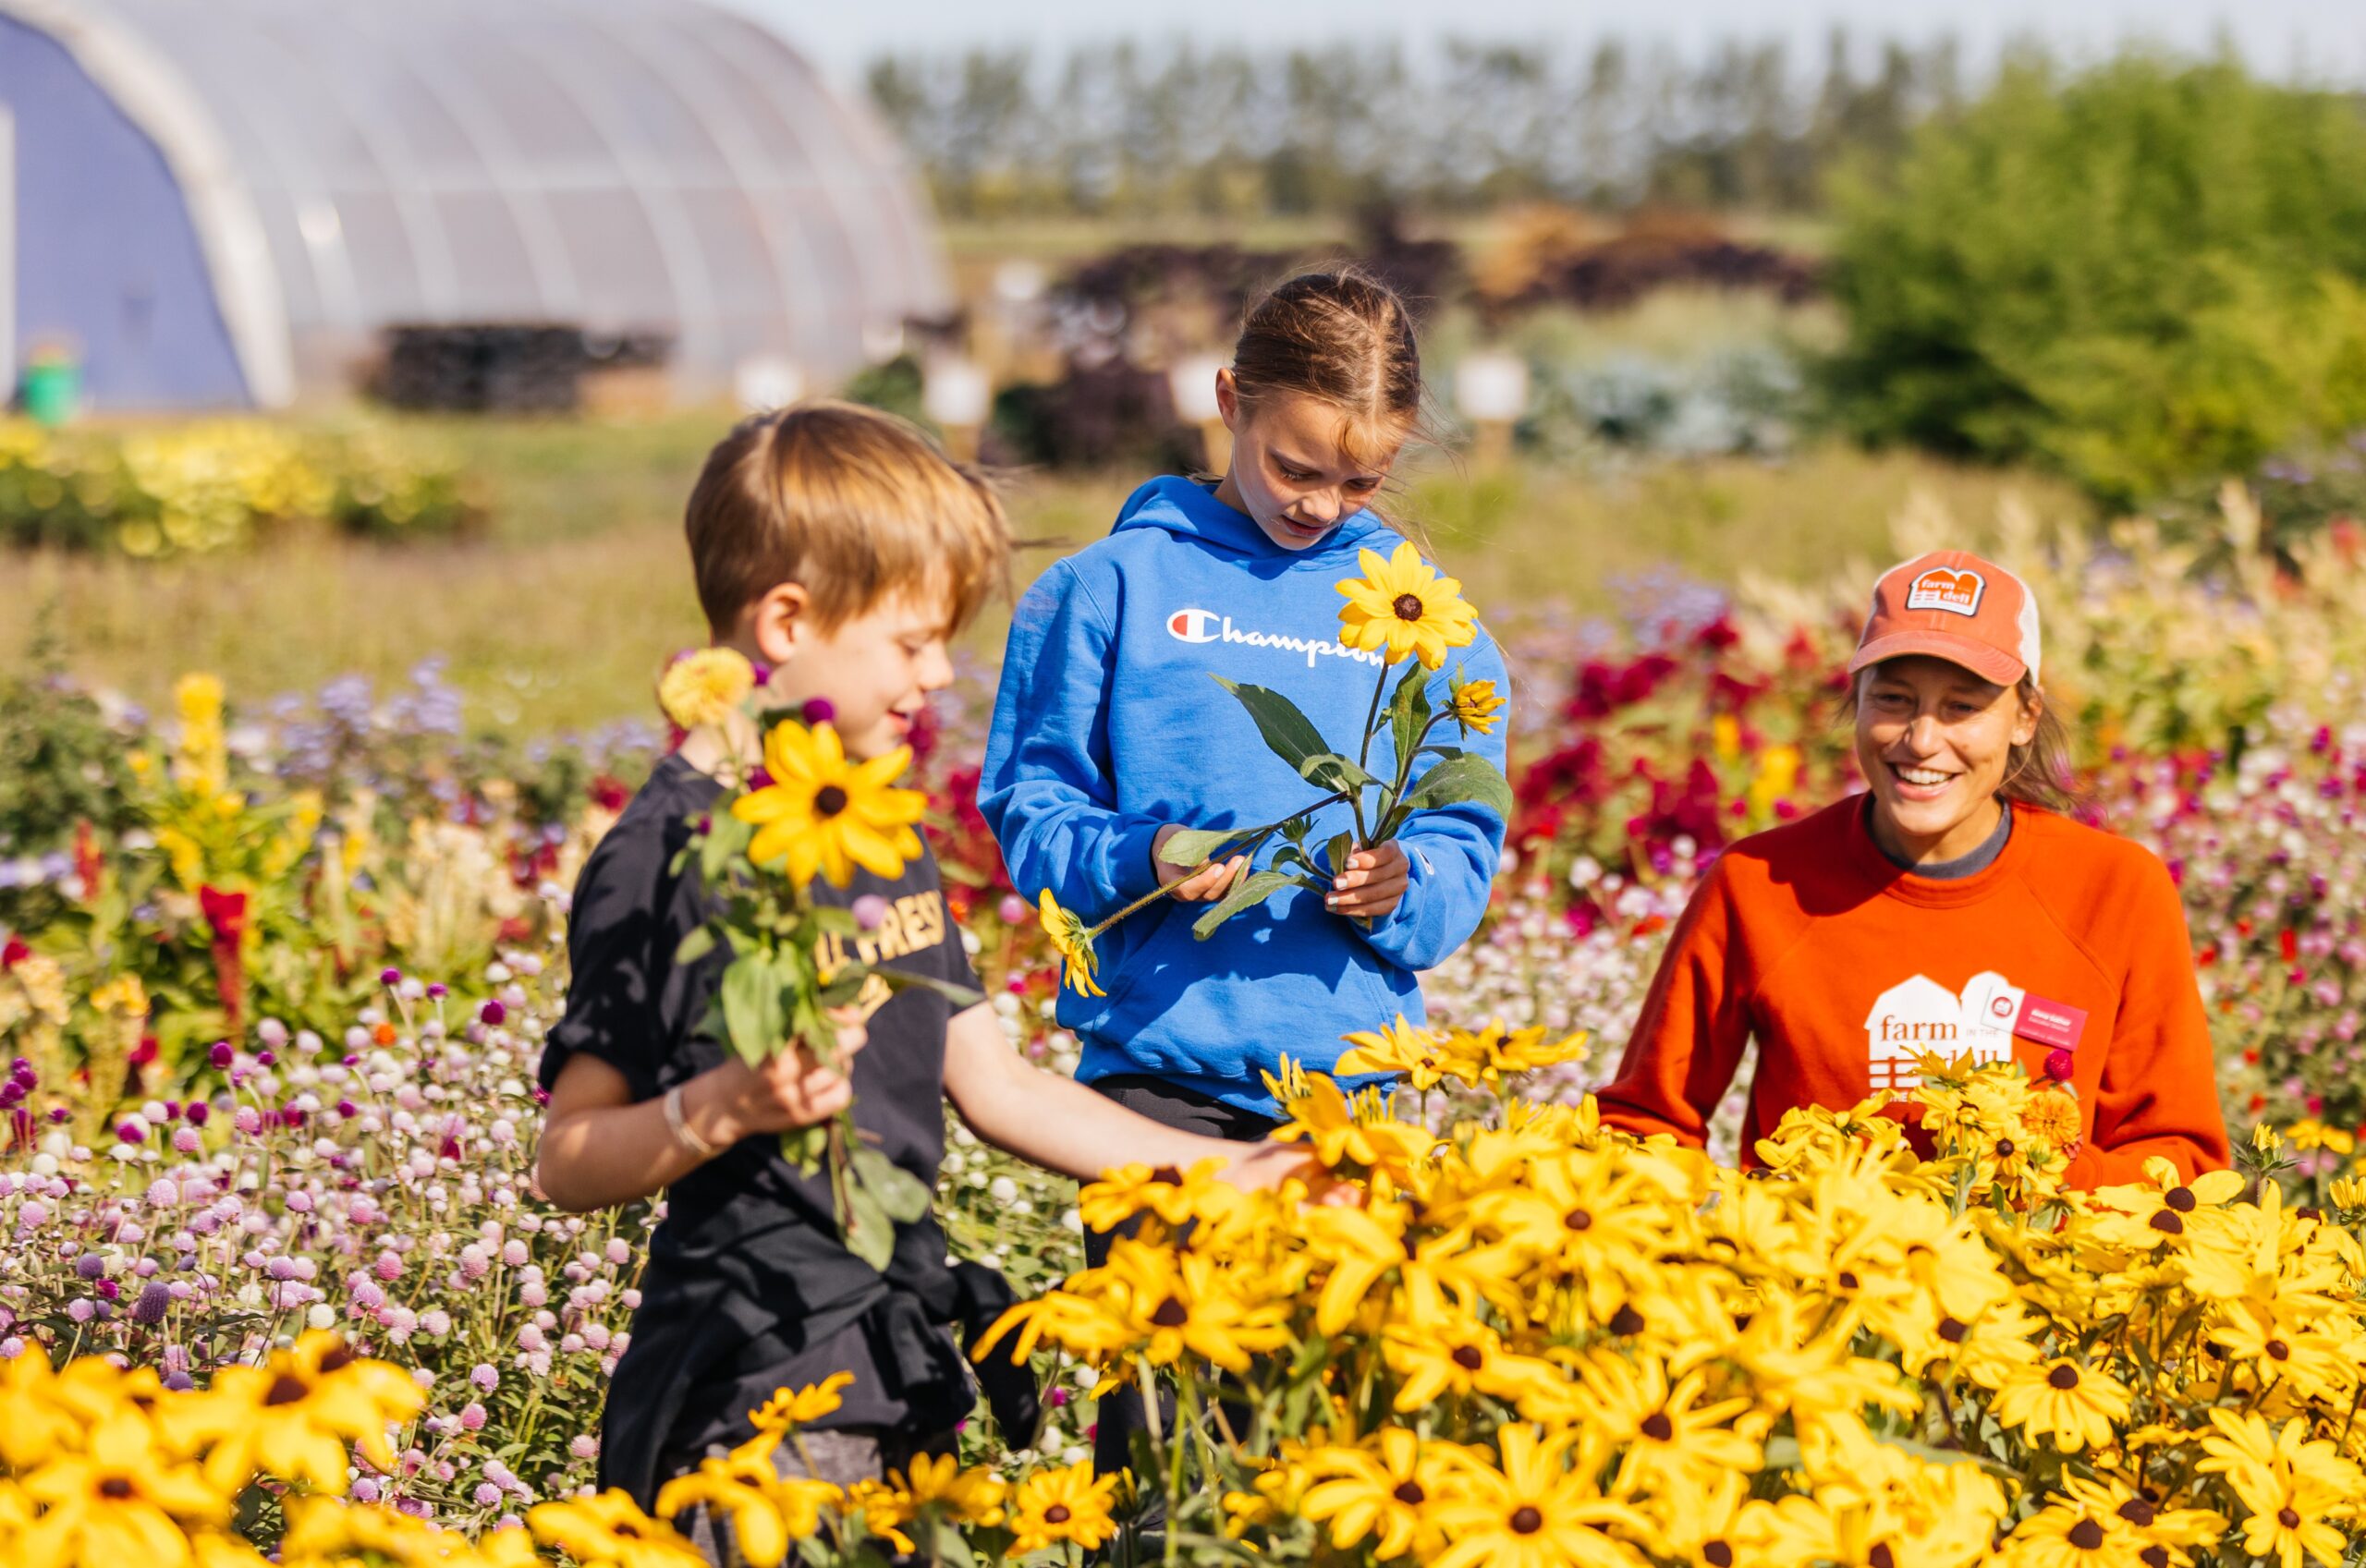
{"x": 131, "y": 1132}
{"x": 493, "y": 1014}
{"x": 196, "y": 1112}
{"x": 220, "y": 1053}
{"x": 91, "y": 1266}
{"x": 820, "y": 710}
{"x": 437, "y": 992}
{"x": 760, "y": 777}
{"x": 869, "y": 911}
{"x": 267, "y": 1059}
{"x": 154, "y": 1297}
{"x": 390, "y": 976}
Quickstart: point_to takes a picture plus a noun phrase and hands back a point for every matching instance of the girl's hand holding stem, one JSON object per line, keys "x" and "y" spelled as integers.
{"x": 1371, "y": 883}
{"x": 1204, "y": 884}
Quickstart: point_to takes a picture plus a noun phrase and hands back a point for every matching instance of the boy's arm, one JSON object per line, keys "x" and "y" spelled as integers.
{"x": 1060, "y": 1125}
{"x": 600, "y": 1146}
{"x": 1451, "y": 852}
{"x": 1045, "y": 790}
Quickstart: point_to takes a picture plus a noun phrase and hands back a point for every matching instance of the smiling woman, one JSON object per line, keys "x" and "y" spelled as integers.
{"x": 1952, "y": 910}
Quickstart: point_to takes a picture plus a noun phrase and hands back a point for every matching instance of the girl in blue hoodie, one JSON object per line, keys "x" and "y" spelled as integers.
{"x": 1109, "y": 735}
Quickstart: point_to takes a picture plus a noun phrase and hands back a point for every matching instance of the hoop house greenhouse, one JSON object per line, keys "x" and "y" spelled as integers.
{"x": 231, "y": 201}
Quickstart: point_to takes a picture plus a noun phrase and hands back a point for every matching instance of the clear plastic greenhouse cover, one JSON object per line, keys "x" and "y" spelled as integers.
{"x": 629, "y": 165}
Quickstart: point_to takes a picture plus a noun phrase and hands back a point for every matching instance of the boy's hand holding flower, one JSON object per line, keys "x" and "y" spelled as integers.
{"x": 790, "y": 1089}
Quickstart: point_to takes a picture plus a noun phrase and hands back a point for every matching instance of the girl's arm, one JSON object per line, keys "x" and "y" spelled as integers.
{"x": 1060, "y": 1125}
{"x": 1694, "y": 1026}
{"x": 1046, "y": 791}
{"x": 2159, "y": 1095}
{"x": 1451, "y": 853}
{"x": 601, "y": 1148}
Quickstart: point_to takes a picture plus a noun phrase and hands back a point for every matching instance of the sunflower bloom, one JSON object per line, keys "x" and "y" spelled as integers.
{"x": 2074, "y": 1405}
{"x": 1476, "y": 706}
{"x": 293, "y": 1417}
{"x": 1533, "y": 1512}
{"x": 1401, "y": 608}
{"x": 611, "y": 1528}
{"x": 704, "y": 687}
{"x": 1051, "y": 1506}
{"x": 126, "y": 1501}
{"x": 1397, "y": 1047}
{"x": 824, "y": 814}
{"x": 801, "y": 1407}
{"x": 1079, "y": 963}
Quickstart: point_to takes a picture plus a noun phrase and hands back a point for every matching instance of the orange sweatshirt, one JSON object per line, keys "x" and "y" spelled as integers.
{"x": 1845, "y": 966}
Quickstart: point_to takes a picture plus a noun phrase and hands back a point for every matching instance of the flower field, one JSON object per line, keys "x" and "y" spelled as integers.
{"x": 275, "y": 973}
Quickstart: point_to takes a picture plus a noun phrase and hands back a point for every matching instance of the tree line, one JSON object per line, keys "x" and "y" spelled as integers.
{"x": 1137, "y": 130}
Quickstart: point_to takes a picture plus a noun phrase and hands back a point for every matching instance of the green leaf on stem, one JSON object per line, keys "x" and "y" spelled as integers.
{"x": 727, "y": 838}
{"x": 752, "y": 1007}
{"x": 1408, "y": 710}
{"x": 960, "y": 996}
{"x": 804, "y": 1148}
{"x": 1290, "y": 733}
{"x": 1457, "y": 780}
{"x": 1250, "y": 890}
{"x": 1331, "y": 771}
{"x": 1192, "y": 846}
{"x": 870, "y": 1231}
{"x": 695, "y": 946}
{"x": 903, "y": 1195}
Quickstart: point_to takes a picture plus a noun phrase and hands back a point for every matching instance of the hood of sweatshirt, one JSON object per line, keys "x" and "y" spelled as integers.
{"x": 1190, "y": 510}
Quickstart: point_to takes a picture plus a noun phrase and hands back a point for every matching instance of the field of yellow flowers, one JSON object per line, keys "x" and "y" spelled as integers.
{"x": 274, "y": 1277}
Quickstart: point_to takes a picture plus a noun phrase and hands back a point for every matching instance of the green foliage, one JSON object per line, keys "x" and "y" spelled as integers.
{"x": 2143, "y": 275}
{"x": 893, "y": 386}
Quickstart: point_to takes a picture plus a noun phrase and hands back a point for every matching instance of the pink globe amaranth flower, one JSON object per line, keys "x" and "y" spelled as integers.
{"x": 583, "y": 1445}
{"x": 1013, "y": 910}
{"x": 248, "y": 1119}
{"x": 390, "y": 1266}
{"x": 2060, "y": 1064}
{"x": 487, "y": 1494}
{"x": 485, "y": 1376}
{"x": 365, "y": 1489}
{"x": 186, "y": 1141}
{"x": 869, "y": 911}
{"x": 471, "y": 1416}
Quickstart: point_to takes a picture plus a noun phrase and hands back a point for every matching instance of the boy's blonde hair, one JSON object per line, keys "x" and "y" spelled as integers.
{"x": 853, "y": 506}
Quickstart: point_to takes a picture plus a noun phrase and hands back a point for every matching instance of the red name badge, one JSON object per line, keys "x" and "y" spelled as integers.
{"x": 2054, "y": 1024}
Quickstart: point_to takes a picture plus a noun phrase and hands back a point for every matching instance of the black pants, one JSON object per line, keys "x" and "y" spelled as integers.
{"x": 1121, "y": 1411}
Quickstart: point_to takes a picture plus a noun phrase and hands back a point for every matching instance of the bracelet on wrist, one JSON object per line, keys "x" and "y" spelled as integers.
{"x": 679, "y": 1125}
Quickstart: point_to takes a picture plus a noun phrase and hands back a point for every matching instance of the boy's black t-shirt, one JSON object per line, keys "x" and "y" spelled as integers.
{"x": 747, "y": 1289}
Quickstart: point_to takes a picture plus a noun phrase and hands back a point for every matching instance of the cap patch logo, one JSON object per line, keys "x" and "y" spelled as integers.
{"x": 1943, "y": 588}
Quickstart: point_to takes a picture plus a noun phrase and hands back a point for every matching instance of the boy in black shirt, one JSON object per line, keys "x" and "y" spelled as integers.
{"x": 835, "y": 545}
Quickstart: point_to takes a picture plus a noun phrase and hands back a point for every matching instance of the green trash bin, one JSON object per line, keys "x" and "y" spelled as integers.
{"x": 53, "y": 388}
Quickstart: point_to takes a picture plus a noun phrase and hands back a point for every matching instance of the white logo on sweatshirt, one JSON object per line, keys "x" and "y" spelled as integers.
{"x": 1206, "y": 625}
{"x": 1920, "y": 1016}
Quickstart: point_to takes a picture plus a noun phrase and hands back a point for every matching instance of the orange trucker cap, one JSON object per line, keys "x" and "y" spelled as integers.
{"x": 1953, "y": 605}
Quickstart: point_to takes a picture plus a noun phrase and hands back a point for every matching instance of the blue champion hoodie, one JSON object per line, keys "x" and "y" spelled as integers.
{"x": 1107, "y": 727}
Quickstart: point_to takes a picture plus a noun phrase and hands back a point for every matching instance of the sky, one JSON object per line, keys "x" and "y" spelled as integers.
{"x": 2323, "y": 40}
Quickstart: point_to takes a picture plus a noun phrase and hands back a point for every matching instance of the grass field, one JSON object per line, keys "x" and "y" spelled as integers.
{"x": 559, "y": 611}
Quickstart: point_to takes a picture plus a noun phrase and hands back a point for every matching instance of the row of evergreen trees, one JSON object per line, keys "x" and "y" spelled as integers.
{"x": 1135, "y": 129}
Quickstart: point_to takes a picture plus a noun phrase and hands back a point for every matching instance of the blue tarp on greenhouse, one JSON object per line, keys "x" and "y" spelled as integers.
{"x": 107, "y": 264}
